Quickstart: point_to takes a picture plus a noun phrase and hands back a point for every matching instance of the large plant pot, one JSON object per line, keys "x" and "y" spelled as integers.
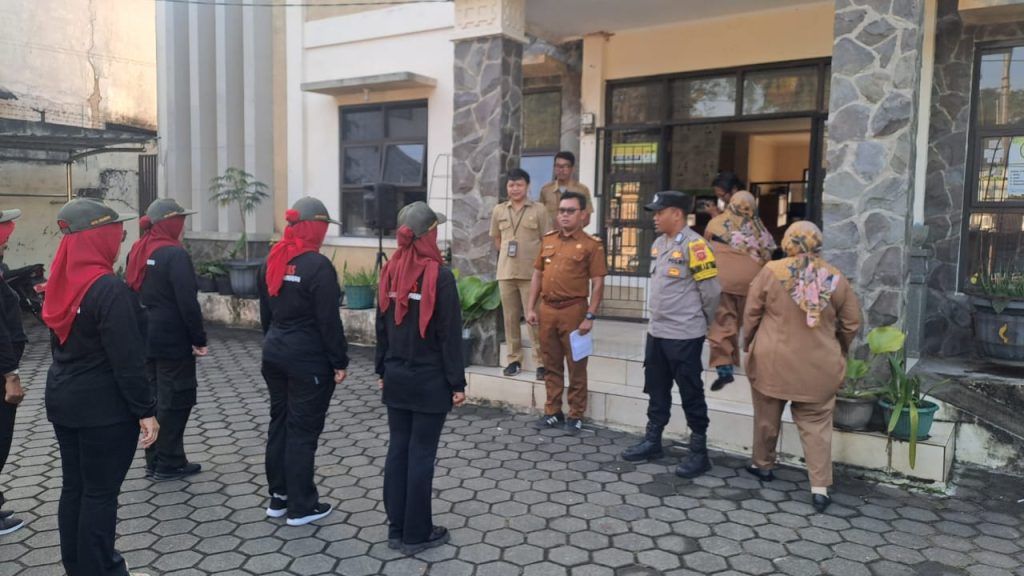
{"x": 853, "y": 413}
{"x": 925, "y": 416}
{"x": 243, "y": 274}
{"x": 360, "y": 297}
{"x": 223, "y": 285}
{"x": 206, "y": 283}
{"x": 999, "y": 335}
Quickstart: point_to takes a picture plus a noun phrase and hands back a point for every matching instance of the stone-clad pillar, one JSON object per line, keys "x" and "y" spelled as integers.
{"x": 486, "y": 135}
{"x": 872, "y": 126}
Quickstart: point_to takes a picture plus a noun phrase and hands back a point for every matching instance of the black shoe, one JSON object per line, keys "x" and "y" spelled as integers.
{"x": 10, "y": 524}
{"x": 573, "y": 426}
{"x": 541, "y": 374}
{"x": 720, "y": 383}
{"x": 512, "y": 369}
{"x": 438, "y": 536}
{"x": 6, "y": 514}
{"x": 647, "y": 449}
{"x": 553, "y": 421}
{"x": 697, "y": 461}
{"x": 190, "y": 469}
{"x": 278, "y": 506}
{"x": 149, "y": 472}
{"x": 762, "y": 475}
{"x": 319, "y": 511}
{"x": 395, "y": 543}
{"x": 820, "y": 502}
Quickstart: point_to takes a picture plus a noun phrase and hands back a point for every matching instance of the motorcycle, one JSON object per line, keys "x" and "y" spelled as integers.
{"x": 29, "y": 284}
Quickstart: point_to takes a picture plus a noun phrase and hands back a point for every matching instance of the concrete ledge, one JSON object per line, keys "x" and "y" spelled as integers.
{"x": 360, "y": 325}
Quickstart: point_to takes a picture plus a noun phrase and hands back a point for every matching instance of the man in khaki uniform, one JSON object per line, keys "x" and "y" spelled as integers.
{"x": 551, "y": 193}
{"x": 517, "y": 227}
{"x": 571, "y": 265}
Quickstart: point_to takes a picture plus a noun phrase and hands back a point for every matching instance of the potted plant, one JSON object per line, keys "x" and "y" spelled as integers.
{"x": 998, "y": 300}
{"x": 206, "y": 275}
{"x": 360, "y": 287}
{"x": 478, "y": 298}
{"x": 240, "y": 188}
{"x": 855, "y": 402}
{"x": 908, "y": 414}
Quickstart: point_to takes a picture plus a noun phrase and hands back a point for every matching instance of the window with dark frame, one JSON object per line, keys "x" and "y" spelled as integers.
{"x": 993, "y": 239}
{"x": 542, "y": 134}
{"x": 381, "y": 143}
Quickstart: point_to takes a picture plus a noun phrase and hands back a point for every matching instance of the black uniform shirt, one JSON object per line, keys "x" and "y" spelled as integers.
{"x": 302, "y": 328}
{"x": 421, "y": 373}
{"x": 174, "y": 322}
{"x": 11, "y": 330}
{"x": 98, "y": 376}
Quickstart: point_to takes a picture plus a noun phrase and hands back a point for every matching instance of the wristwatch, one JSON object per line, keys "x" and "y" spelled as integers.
{"x": 589, "y": 316}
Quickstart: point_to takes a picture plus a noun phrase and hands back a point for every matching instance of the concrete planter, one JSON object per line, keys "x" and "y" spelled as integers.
{"x": 206, "y": 283}
{"x": 853, "y": 413}
{"x": 999, "y": 335}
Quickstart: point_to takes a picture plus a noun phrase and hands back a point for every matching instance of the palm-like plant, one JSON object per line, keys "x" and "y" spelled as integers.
{"x": 241, "y": 188}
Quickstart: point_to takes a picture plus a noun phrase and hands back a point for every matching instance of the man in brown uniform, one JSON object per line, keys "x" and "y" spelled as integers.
{"x": 551, "y": 193}
{"x": 568, "y": 258}
{"x": 517, "y": 227}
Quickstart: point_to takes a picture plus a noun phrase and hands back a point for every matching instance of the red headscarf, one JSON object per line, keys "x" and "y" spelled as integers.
{"x": 415, "y": 256}
{"x": 82, "y": 258}
{"x": 166, "y": 232}
{"x": 6, "y": 229}
{"x": 299, "y": 237}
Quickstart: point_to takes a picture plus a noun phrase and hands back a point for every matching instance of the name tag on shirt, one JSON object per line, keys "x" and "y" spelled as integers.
{"x": 292, "y": 278}
{"x": 412, "y": 295}
{"x": 150, "y": 262}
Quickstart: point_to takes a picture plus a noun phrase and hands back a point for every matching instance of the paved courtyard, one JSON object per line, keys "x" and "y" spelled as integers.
{"x": 517, "y": 501}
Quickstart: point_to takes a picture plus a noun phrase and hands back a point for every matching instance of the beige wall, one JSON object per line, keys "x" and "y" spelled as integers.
{"x": 769, "y": 160}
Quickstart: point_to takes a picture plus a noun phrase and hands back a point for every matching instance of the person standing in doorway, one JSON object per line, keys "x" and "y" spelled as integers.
{"x": 12, "y": 346}
{"x": 517, "y": 227}
{"x": 421, "y": 373}
{"x": 551, "y": 193}
{"x": 305, "y": 356}
{"x": 725, "y": 184}
{"x": 97, "y": 394}
{"x": 570, "y": 267}
{"x": 684, "y": 293}
{"x": 160, "y": 271}
{"x": 742, "y": 245}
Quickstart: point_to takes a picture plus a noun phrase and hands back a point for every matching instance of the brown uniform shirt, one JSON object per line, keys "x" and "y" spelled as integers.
{"x": 568, "y": 263}
{"x": 526, "y": 226}
{"x": 550, "y": 194}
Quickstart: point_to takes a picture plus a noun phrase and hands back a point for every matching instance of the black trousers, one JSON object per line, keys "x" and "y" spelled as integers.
{"x": 667, "y": 360}
{"x": 7, "y": 414}
{"x": 94, "y": 462}
{"x": 175, "y": 383}
{"x": 298, "y": 409}
{"x": 409, "y": 473}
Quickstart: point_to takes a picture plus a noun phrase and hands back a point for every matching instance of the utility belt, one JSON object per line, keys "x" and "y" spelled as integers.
{"x": 560, "y": 304}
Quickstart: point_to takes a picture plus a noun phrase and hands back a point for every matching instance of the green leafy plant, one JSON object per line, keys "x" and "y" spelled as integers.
{"x": 360, "y": 277}
{"x": 240, "y": 188}
{"x": 855, "y": 385}
{"x": 477, "y": 297}
{"x": 999, "y": 287}
{"x": 211, "y": 269}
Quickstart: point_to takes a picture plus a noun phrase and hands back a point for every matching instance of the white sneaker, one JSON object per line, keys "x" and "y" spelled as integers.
{"x": 278, "y": 506}
{"x": 321, "y": 510}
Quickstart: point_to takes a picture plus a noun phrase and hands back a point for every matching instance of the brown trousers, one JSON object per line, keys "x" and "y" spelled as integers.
{"x": 514, "y": 296}
{"x": 555, "y": 326}
{"x": 813, "y": 420}
{"x": 724, "y": 333}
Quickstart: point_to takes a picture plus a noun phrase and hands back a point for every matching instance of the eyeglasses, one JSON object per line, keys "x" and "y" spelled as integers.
{"x": 569, "y": 211}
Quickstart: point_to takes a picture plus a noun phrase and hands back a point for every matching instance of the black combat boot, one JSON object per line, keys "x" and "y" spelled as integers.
{"x": 697, "y": 461}
{"x": 648, "y": 448}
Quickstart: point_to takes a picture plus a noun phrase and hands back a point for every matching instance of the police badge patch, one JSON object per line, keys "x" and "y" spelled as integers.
{"x": 702, "y": 261}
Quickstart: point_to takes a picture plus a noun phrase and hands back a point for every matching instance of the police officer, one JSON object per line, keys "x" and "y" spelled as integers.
{"x": 684, "y": 293}
{"x": 569, "y": 260}
{"x": 12, "y": 346}
{"x": 517, "y": 227}
{"x": 305, "y": 355}
{"x": 160, "y": 271}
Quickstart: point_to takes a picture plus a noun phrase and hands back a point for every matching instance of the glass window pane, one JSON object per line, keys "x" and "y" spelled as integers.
{"x": 352, "y": 222}
{"x": 361, "y": 164}
{"x": 1001, "y": 87}
{"x": 540, "y": 169}
{"x": 704, "y": 97}
{"x": 1001, "y": 169}
{"x": 407, "y": 123}
{"x": 995, "y": 242}
{"x": 637, "y": 103}
{"x": 786, "y": 90}
{"x": 364, "y": 124}
{"x": 828, "y": 88}
{"x": 542, "y": 120}
{"x": 403, "y": 164}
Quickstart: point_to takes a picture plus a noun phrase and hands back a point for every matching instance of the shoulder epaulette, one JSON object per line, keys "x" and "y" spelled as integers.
{"x": 550, "y": 232}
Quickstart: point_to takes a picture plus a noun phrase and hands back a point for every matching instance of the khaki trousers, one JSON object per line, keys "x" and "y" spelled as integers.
{"x": 555, "y": 326}
{"x": 724, "y": 333}
{"x": 813, "y": 420}
{"x": 514, "y": 296}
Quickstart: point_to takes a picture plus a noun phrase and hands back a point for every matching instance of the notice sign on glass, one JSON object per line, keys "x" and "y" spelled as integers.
{"x": 1015, "y": 169}
{"x": 635, "y": 153}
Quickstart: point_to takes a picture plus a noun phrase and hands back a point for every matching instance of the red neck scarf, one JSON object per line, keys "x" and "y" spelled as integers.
{"x": 299, "y": 238}
{"x": 164, "y": 233}
{"x": 414, "y": 257}
{"x": 6, "y": 229}
{"x": 81, "y": 259}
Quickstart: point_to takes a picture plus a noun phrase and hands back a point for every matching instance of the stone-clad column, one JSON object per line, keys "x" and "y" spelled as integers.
{"x": 486, "y": 135}
{"x": 867, "y": 197}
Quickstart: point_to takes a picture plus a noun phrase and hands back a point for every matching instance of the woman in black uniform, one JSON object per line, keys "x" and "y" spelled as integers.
{"x": 97, "y": 396}
{"x": 419, "y": 361}
{"x": 12, "y": 346}
{"x": 305, "y": 356}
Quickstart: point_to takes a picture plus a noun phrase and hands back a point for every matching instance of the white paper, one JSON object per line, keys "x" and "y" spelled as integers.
{"x": 582, "y": 346}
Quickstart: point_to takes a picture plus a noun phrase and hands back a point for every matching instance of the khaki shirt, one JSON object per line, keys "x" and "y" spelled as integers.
{"x": 684, "y": 290}
{"x": 568, "y": 263}
{"x": 550, "y": 194}
{"x": 526, "y": 226}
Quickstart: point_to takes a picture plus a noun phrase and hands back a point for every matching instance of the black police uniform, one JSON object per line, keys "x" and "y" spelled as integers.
{"x": 304, "y": 343}
{"x": 12, "y": 346}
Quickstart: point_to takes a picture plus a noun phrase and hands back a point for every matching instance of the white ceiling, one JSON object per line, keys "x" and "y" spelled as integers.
{"x": 558, "y": 20}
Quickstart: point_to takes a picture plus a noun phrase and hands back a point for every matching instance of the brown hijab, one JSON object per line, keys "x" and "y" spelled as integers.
{"x": 806, "y": 276}
{"x": 741, "y": 228}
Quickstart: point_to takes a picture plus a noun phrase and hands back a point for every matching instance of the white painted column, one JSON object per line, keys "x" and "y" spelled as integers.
{"x": 202, "y": 99}
{"x": 258, "y": 103}
{"x": 924, "y": 110}
{"x": 228, "y": 96}
{"x": 592, "y": 101}
{"x": 296, "y": 117}
{"x": 173, "y": 97}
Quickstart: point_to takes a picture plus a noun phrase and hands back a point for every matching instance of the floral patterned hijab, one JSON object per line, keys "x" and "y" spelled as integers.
{"x": 740, "y": 228}
{"x": 805, "y": 275}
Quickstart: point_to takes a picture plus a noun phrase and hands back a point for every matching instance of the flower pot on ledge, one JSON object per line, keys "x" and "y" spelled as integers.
{"x": 999, "y": 334}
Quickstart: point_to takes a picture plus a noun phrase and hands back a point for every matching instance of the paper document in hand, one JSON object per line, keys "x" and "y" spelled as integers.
{"x": 582, "y": 346}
